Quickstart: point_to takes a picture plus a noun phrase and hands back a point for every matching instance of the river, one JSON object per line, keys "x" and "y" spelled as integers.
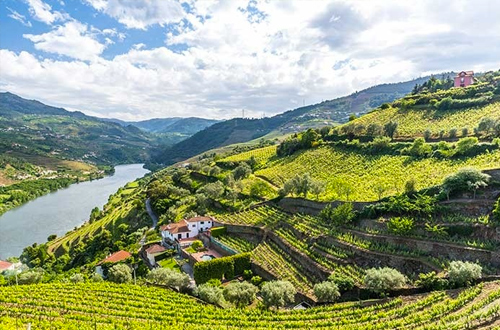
{"x": 60, "y": 211}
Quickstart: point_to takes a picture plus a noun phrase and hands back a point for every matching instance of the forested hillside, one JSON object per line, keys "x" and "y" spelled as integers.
{"x": 325, "y": 113}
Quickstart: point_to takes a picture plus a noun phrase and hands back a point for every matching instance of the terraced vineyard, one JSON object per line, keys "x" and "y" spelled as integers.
{"x": 236, "y": 243}
{"x": 259, "y": 216}
{"x": 362, "y": 173}
{"x": 416, "y": 121}
{"x": 261, "y": 154}
{"x": 109, "y": 306}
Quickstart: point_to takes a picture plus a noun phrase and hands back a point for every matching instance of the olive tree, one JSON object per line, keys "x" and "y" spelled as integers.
{"x": 463, "y": 273}
{"x": 466, "y": 179}
{"x": 278, "y": 293}
{"x": 381, "y": 280}
{"x": 120, "y": 273}
{"x": 170, "y": 278}
{"x": 210, "y": 293}
{"x": 326, "y": 291}
{"x": 241, "y": 294}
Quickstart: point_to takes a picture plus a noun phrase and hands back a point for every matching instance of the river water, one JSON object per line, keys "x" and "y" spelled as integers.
{"x": 60, "y": 211}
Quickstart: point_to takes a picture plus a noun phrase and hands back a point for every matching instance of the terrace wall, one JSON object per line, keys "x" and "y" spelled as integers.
{"x": 438, "y": 249}
{"x": 301, "y": 205}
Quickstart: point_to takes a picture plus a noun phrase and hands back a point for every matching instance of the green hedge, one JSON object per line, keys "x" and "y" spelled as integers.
{"x": 226, "y": 267}
{"x": 218, "y": 231}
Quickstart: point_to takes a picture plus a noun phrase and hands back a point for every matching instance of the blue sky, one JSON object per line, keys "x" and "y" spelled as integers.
{"x": 139, "y": 59}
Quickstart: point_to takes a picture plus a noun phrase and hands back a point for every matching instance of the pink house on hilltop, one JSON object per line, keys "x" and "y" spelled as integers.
{"x": 464, "y": 79}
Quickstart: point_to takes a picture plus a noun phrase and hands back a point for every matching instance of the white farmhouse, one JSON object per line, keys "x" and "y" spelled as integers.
{"x": 185, "y": 230}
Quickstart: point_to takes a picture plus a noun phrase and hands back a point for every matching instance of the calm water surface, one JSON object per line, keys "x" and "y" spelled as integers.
{"x": 59, "y": 212}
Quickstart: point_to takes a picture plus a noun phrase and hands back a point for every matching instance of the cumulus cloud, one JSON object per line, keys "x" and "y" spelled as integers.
{"x": 261, "y": 56}
{"x": 139, "y": 14}
{"x": 71, "y": 39}
{"x": 43, "y": 12}
{"x": 18, "y": 17}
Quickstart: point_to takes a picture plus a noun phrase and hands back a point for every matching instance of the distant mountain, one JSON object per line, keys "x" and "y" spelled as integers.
{"x": 31, "y": 127}
{"x": 325, "y": 113}
{"x": 185, "y": 126}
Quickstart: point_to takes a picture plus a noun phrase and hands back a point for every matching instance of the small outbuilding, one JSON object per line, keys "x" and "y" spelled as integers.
{"x": 153, "y": 251}
{"x": 113, "y": 258}
{"x": 464, "y": 79}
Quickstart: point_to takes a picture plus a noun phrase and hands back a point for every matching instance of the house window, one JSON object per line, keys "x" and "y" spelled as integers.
{"x": 202, "y": 222}
{"x": 179, "y": 236}
{"x": 187, "y": 235}
{"x": 193, "y": 225}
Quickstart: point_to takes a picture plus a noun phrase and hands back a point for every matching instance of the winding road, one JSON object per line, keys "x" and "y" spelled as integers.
{"x": 151, "y": 213}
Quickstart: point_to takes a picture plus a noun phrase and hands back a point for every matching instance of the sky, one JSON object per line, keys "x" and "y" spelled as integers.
{"x": 141, "y": 59}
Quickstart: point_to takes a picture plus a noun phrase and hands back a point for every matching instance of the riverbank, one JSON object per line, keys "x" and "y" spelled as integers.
{"x": 61, "y": 211}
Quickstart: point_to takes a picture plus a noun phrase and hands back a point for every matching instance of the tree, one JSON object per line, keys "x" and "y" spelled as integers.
{"x": 210, "y": 293}
{"x": 242, "y": 171}
{"x": 241, "y": 294}
{"x": 213, "y": 190}
{"x": 96, "y": 278}
{"x": 453, "y": 133}
{"x": 431, "y": 281}
{"x": 278, "y": 294}
{"x": 380, "y": 189}
{"x": 326, "y": 291}
{"x": 259, "y": 189}
{"x": 466, "y": 179}
{"x": 317, "y": 188}
{"x": 343, "y": 282}
{"x": 77, "y": 278}
{"x": 197, "y": 244}
{"x": 374, "y": 130}
{"x": 390, "y": 129}
{"x": 170, "y": 278}
{"x": 120, "y": 273}
{"x": 486, "y": 125}
{"x": 381, "y": 280}
{"x": 466, "y": 145}
{"x": 464, "y": 273}
{"x": 32, "y": 276}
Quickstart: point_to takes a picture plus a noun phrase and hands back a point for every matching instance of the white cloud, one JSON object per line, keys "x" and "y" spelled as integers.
{"x": 18, "y": 17}
{"x": 43, "y": 12}
{"x": 266, "y": 57}
{"x": 71, "y": 39}
{"x": 139, "y": 14}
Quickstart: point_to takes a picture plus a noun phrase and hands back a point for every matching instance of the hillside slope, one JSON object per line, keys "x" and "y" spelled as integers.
{"x": 30, "y": 127}
{"x": 325, "y": 113}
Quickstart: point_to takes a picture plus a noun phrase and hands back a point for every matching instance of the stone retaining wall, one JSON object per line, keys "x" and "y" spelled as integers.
{"x": 301, "y": 205}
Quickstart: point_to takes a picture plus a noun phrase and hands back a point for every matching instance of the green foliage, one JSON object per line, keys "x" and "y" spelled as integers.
{"x": 465, "y": 146}
{"x": 256, "y": 280}
{"x": 343, "y": 282}
{"x": 242, "y": 171}
{"x": 466, "y": 179}
{"x": 218, "y": 231}
{"x": 197, "y": 244}
{"x": 120, "y": 273}
{"x": 496, "y": 210}
{"x": 305, "y": 140}
{"x": 221, "y": 268}
{"x": 431, "y": 281}
{"x": 326, "y": 291}
{"x": 170, "y": 278}
{"x": 416, "y": 204}
{"x": 278, "y": 294}
{"x": 210, "y": 293}
{"x": 390, "y": 129}
{"x": 340, "y": 215}
{"x": 240, "y": 294}
{"x": 301, "y": 185}
{"x": 32, "y": 276}
{"x": 418, "y": 149}
{"x": 77, "y": 278}
{"x": 400, "y": 225}
{"x": 464, "y": 272}
{"x": 382, "y": 280}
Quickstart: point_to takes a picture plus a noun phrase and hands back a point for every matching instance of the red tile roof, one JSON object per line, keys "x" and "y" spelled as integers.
{"x": 174, "y": 228}
{"x": 4, "y": 265}
{"x": 116, "y": 257}
{"x": 197, "y": 219}
{"x": 155, "y": 249}
{"x": 467, "y": 73}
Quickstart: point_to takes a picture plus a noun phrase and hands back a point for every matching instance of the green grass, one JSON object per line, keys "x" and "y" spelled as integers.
{"x": 169, "y": 263}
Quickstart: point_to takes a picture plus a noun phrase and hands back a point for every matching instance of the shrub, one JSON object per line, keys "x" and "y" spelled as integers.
{"x": 256, "y": 280}
{"x": 31, "y": 276}
{"x": 77, "y": 278}
{"x": 278, "y": 294}
{"x": 343, "y": 282}
{"x": 242, "y": 171}
{"x": 247, "y": 274}
{"x": 464, "y": 272}
{"x": 214, "y": 282}
{"x": 430, "y": 281}
{"x": 96, "y": 278}
{"x": 209, "y": 293}
{"x": 241, "y": 294}
{"x": 197, "y": 244}
{"x": 381, "y": 280}
{"x": 220, "y": 268}
{"x": 496, "y": 211}
{"x": 341, "y": 215}
{"x": 453, "y": 133}
{"x": 400, "y": 225}
{"x": 170, "y": 278}
{"x": 466, "y": 179}
{"x": 120, "y": 273}
{"x": 326, "y": 291}
{"x": 466, "y": 145}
